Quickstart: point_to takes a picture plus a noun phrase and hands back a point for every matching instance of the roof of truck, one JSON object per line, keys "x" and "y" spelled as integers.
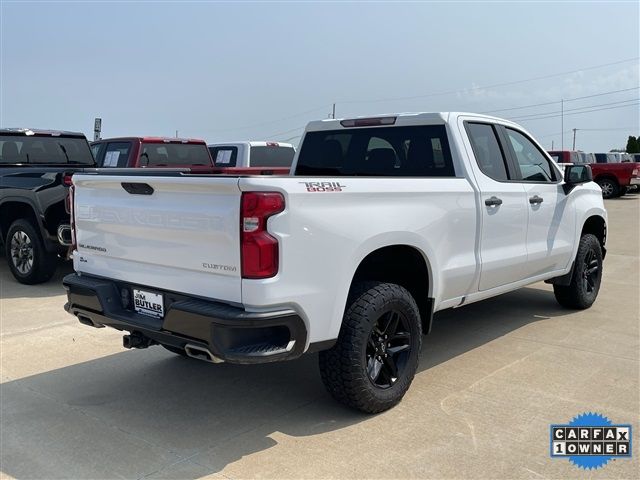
{"x": 27, "y": 132}
{"x": 404, "y": 118}
{"x": 152, "y": 140}
{"x": 253, "y": 143}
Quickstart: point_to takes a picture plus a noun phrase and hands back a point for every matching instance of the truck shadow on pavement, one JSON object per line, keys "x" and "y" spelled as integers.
{"x": 140, "y": 413}
{"x": 11, "y": 288}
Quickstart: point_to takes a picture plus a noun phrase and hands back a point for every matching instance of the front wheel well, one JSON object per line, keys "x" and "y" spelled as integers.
{"x": 405, "y": 266}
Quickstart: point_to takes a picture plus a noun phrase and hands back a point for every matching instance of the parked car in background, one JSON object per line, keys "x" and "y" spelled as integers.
{"x": 252, "y": 155}
{"x": 613, "y": 177}
{"x": 568, "y": 156}
{"x": 152, "y": 152}
{"x": 385, "y": 221}
{"x": 35, "y": 175}
{"x": 609, "y": 157}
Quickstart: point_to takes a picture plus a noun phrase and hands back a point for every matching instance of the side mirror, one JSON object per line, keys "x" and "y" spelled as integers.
{"x": 575, "y": 175}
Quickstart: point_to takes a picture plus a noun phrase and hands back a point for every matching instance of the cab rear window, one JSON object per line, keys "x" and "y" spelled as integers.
{"x": 20, "y": 149}
{"x": 165, "y": 154}
{"x": 271, "y": 156}
{"x": 415, "y": 151}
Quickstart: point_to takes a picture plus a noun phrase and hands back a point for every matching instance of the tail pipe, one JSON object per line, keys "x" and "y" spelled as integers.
{"x": 201, "y": 353}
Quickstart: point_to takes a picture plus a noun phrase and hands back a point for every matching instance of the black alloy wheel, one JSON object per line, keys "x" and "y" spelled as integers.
{"x": 388, "y": 349}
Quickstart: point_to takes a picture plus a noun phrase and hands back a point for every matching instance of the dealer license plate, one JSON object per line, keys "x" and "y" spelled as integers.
{"x": 148, "y": 303}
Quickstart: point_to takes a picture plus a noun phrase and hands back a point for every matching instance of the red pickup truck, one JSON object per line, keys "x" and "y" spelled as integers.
{"x": 158, "y": 152}
{"x": 132, "y": 152}
{"x": 613, "y": 178}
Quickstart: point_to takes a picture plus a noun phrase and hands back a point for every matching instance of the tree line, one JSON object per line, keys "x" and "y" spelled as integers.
{"x": 633, "y": 144}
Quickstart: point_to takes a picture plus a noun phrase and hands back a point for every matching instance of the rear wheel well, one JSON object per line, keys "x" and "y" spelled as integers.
{"x": 606, "y": 177}
{"x": 596, "y": 225}
{"x": 12, "y": 211}
{"x": 404, "y": 266}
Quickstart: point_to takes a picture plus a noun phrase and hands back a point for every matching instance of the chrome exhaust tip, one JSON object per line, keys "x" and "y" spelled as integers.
{"x": 201, "y": 353}
{"x": 64, "y": 235}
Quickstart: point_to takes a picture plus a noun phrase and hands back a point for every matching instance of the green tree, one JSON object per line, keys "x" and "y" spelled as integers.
{"x": 633, "y": 144}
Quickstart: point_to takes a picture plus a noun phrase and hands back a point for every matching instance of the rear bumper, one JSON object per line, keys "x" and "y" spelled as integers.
{"x": 230, "y": 333}
{"x": 634, "y": 181}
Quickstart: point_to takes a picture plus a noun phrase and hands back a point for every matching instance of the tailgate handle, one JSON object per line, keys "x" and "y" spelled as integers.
{"x": 138, "y": 188}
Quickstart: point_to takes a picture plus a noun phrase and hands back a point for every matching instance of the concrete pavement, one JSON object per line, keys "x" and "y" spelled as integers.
{"x": 493, "y": 377}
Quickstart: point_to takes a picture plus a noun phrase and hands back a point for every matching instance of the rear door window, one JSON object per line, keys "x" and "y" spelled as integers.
{"x": 487, "y": 150}
{"x": 95, "y": 151}
{"x": 116, "y": 155}
{"x": 415, "y": 151}
{"x": 224, "y": 156}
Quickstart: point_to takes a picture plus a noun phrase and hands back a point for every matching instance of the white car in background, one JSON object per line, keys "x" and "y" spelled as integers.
{"x": 252, "y": 154}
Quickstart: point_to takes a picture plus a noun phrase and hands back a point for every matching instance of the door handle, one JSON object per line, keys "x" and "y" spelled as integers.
{"x": 493, "y": 201}
{"x": 535, "y": 200}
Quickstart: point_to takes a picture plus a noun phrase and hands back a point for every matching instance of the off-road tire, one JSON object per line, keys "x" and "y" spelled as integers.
{"x": 578, "y": 294}
{"x": 344, "y": 367}
{"x": 44, "y": 263}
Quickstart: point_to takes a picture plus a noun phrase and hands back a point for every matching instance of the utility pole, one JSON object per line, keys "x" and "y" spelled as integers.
{"x": 333, "y": 113}
{"x": 574, "y": 138}
{"x": 562, "y": 120}
{"x": 552, "y": 145}
{"x": 176, "y": 133}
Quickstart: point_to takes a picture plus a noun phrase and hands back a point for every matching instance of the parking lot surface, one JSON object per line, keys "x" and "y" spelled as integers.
{"x": 493, "y": 377}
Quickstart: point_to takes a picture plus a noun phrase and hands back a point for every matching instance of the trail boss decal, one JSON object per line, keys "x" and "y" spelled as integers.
{"x": 323, "y": 186}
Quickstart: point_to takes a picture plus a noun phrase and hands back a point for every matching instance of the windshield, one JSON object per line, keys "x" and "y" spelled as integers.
{"x": 49, "y": 150}
{"x": 165, "y": 154}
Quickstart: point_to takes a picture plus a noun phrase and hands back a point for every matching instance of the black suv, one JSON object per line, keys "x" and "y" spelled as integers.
{"x": 35, "y": 174}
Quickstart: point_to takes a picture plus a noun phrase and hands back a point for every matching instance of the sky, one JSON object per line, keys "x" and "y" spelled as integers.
{"x": 260, "y": 71}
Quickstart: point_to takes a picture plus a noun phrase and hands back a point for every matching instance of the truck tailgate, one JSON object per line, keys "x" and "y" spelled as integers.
{"x": 182, "y": 236}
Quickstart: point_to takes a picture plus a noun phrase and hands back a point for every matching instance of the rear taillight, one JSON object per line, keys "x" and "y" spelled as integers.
{"x": 259, "y": 250}
{"x": 72, "y": 217}
{"x": 635, "y": 172}
{"x": 67, "y": 180}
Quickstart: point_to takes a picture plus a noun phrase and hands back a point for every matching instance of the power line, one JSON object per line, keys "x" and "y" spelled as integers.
{"x": 273, "y": 135}
{"x": 621, "y": 129}
{"x": 463, "y": 90}
{"x": 586, "y": 111}
{"x": 270, "y": 122}
{"x": 574, "y": 109}
{"x": 558, "y": 101}
{"x": 515, "y": 82}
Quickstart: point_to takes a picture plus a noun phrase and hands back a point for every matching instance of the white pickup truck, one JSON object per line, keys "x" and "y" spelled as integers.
{"x": 252, "y": 154}
{"x": 384, "y": 221}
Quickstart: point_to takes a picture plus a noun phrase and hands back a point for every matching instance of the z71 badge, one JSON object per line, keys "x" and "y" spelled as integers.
{"x": 323, "y": 186}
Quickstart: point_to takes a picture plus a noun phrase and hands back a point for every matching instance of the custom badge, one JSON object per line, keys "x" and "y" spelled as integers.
{"x": 590, "y": 440}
